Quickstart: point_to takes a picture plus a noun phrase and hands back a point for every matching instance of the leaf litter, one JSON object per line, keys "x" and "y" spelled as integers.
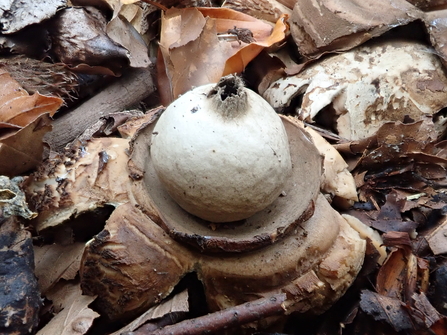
{"x": 399, "y": 167}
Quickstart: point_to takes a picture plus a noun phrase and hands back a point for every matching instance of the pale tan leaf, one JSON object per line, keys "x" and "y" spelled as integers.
{"x": 74, "y": 317}
{"x": 55, "y": 262}
{"x": 178, "y": 303}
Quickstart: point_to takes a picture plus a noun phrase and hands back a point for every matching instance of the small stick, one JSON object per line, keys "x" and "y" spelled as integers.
{"x": 135, "y": 85}
{"x": 227, "y": 318}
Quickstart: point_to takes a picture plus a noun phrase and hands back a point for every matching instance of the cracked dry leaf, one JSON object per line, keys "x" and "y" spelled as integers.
{"x": 136, "y": 14}
{"x": 358, "y": 91}
{"x": 320, "y": 26}
{"x": 200, "y": 45}
{"x": 74, "y": 316}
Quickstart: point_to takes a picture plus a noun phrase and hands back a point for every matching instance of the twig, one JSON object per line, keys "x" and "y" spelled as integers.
{"x": 227, "y": 318}
{"x": 131, "y": 88}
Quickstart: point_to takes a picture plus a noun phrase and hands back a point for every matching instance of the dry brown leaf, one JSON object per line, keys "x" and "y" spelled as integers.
{"x": 200, "y": 45}
{"x": 437, "y": 240}
{"x": 22, "y": 150}
{"x": 74, "y": 317}
{"x": 123, "y": 33}
{"x": 403, "y": 274}
{"x": 18, "y": 107}
{"x": 320, "y": 26}
{"x": 55, "y": 262}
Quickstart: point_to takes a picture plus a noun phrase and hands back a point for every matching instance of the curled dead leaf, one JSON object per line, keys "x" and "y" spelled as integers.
{"x": 200, "y": 45}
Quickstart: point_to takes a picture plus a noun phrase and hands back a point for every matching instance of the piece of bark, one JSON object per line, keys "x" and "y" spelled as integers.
{"x": 230, "y": 317}
{"x": 131, "y": 88}
{"x": 20, "y": 298}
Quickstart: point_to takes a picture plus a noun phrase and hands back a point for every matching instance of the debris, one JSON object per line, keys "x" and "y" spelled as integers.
{"x": 12, "y": 199}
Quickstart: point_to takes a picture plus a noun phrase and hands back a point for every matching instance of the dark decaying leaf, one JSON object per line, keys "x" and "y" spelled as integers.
{"x": 438, "y": 288}
{"x": 17, "y": 14}
{"x": 389, "y": 216}
{"x": 20, "y": 298}
{"x": 401, "y": 167}
{"x": 390, "y": 310}
{"x": 429, "y": 5}
{"x": 328, "y": 25}
{"x": 79, "y": 37}
{"x": 32, "y": 41}
{"x": 424, "y": 313}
